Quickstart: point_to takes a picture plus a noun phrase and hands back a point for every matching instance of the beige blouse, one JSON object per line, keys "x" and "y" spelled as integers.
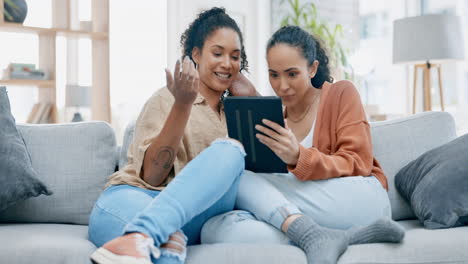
{"x": 204, "y": 126}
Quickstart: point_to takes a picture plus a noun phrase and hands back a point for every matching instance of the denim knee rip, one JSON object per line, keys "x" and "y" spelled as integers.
{"x": 231, "y": 141}
{"x": 174, "y": 253}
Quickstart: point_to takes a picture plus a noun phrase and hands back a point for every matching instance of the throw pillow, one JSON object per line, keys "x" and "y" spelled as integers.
{"x": 17, "y": 175}
{"x": 436, "y": 185}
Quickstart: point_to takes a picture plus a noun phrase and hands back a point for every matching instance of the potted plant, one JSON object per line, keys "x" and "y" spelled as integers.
{"x": 306, "y": 16}
{"x": 15, "y": 10}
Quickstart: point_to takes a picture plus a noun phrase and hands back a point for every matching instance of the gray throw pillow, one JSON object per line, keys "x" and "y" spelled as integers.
{"x": 436, "y": 185}
{"x": 17, "y": 176}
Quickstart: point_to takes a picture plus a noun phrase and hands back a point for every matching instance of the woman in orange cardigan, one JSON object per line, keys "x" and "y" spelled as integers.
{"x": 334, "y": 184}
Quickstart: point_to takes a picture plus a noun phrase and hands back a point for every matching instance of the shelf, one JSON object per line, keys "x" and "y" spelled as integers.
{"x": 38, "y": 83}
{"x": 19, "y": 28}
{"x": 83, "y": 34}
{"x": 64, "y": 16}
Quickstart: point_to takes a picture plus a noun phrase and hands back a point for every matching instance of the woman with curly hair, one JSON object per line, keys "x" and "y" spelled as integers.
{"x": 156, "y": 205}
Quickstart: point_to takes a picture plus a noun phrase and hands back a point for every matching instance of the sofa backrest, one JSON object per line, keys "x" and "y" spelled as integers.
{"x": 395, "y": 143}
{"x": 74, "y": 161}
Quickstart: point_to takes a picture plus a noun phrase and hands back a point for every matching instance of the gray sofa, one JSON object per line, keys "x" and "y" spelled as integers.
{"x": 74, "y": 161}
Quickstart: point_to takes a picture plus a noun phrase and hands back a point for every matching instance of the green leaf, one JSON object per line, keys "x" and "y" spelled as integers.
{"x": 338, "y": 30}
{"x": 347, "y": 75}
{"x": 344, "y": 60}
{"x": 305, "y": 18}
{"x": 313, "y": 10}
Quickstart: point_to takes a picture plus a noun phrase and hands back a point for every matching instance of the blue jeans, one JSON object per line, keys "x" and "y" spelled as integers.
{"x": 206, "y": 187}
{"x": 267, "y": 200}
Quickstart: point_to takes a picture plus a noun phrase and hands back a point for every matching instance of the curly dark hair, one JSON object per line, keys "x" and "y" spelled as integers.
{"x": 205, "y": 24}
{"x": 310, "y": 47}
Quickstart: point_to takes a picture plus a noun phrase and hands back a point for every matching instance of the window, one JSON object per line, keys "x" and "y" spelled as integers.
{"x": 138, "y": 35}
{"x": 380, "y": 82}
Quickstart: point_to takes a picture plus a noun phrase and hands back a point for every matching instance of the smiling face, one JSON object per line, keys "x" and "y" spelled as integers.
{"x": 289, "y": 73}
{"x": 219, "y": 60}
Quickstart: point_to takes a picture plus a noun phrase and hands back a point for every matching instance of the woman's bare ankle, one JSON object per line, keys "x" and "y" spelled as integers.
{"x": 288, "y": 221}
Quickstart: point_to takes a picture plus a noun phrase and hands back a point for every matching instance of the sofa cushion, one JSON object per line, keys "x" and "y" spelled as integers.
{"x": 18, "y": 178}
{"x": 436, "y": 185}
{"x": 74, "y": 160}
{"x": 419, "y": 246}
{"x": 245, "y": 254}
{"x": 45, "y": 244}
{"x": 398, "y": 142}
{"x": 68, "y": 244}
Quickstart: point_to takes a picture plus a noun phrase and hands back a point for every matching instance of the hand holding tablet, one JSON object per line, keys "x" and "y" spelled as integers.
{"x": 280, "y": 140}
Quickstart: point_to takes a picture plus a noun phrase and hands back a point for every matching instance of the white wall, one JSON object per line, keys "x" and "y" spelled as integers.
{"x": 256, "y": 31}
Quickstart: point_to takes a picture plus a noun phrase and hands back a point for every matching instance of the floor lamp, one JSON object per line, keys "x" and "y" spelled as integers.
{"x": 426, "y": 41}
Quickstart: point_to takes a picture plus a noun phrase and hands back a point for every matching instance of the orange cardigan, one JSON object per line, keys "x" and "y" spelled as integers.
{"x": 342, "y": 143}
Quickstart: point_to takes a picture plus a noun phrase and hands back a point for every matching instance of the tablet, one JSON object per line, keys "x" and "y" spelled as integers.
{"x": 242, "y": 114}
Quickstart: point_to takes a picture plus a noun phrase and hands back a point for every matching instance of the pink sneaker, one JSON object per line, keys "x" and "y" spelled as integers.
{"x": 128, "y": 249}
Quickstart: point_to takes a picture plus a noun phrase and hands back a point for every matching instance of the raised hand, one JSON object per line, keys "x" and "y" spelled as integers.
{"x": 280, "y": 140}
{"x": 184, "y": 85}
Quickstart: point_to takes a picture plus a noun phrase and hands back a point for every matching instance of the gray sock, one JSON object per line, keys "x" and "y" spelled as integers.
{"x": 321, "y": 245}
{"x": 382, "y": 230}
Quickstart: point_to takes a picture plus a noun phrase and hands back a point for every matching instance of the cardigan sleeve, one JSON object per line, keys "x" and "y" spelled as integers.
{"x": 351, "y": 154}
